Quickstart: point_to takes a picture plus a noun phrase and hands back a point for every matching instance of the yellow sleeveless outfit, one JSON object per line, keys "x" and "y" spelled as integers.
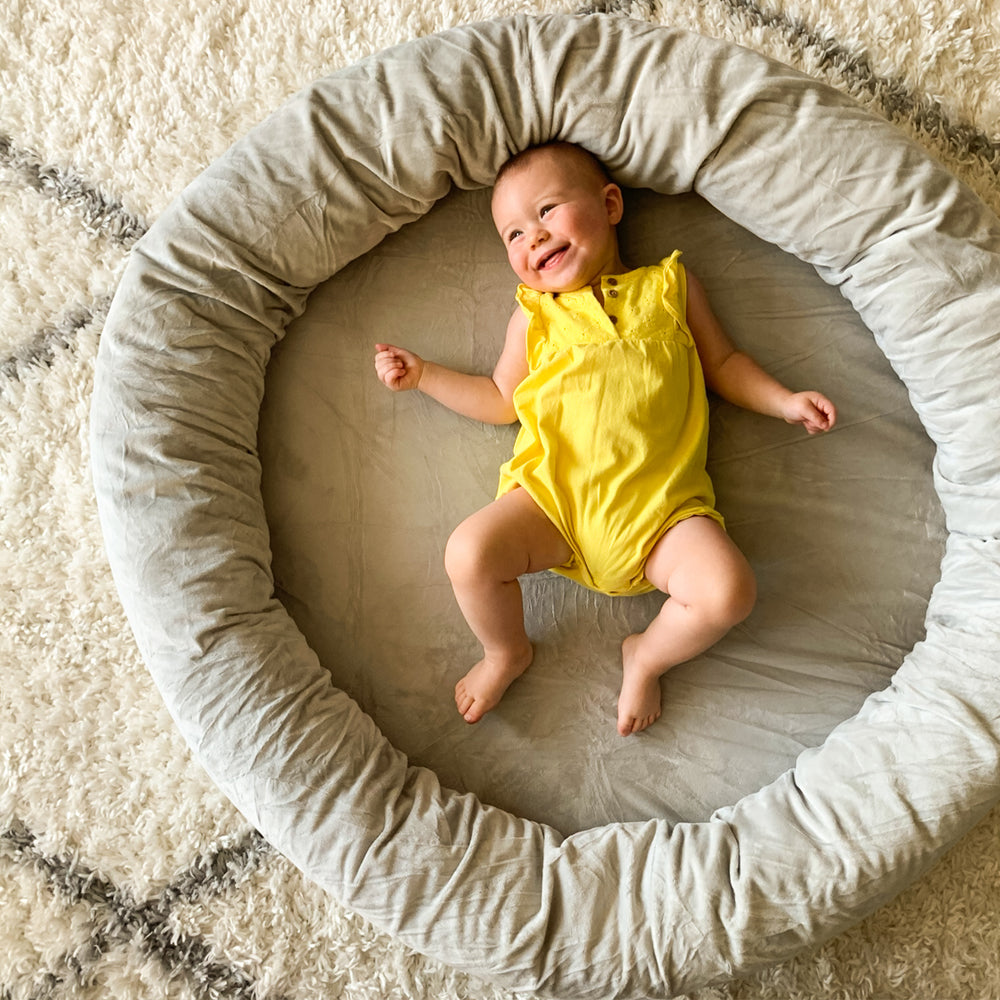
{"x": 614, "y": 422}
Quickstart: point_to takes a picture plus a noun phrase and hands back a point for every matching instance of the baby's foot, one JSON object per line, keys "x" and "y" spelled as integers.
{"x": 639, "y": 700}
{"x": 484, "y": 685}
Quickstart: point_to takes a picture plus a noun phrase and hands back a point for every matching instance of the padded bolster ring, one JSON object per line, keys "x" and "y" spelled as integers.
{"x": 623, "y": 910}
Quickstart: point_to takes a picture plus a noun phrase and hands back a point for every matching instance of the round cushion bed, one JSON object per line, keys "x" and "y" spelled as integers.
{"x": 803, "y": 773}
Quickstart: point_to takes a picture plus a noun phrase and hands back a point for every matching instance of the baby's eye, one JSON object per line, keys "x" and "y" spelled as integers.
{"x": 513, "y": 235}
{"x": 545, "y": 210}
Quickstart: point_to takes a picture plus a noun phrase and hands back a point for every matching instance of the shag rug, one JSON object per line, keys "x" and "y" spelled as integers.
{"x": 123, "y": 871}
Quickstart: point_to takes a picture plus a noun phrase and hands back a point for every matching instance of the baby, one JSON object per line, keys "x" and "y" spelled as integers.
{"x": 606, "y": 369}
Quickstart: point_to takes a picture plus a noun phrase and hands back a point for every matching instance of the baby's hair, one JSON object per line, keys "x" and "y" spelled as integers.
{"x": 582, "y": 156}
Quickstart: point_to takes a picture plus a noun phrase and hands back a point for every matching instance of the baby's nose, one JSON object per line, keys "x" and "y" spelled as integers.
{"x": 539, "y": 236}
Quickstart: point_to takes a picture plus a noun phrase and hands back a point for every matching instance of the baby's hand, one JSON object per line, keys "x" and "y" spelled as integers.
{"x": 397, "y": 368}
{"x": 811, "y": 409}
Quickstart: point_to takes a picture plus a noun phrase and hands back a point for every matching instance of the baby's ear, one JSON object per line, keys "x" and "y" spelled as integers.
{"x": 614, "y": 203}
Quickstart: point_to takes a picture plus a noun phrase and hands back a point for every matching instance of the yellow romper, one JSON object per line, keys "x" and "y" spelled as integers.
{"x": 614, "y": 422}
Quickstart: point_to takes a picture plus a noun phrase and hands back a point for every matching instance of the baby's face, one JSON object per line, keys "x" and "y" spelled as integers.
{"x": 557, "y": 220}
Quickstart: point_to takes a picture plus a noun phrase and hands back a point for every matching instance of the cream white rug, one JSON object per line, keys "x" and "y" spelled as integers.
{"x": 123, "y": 872}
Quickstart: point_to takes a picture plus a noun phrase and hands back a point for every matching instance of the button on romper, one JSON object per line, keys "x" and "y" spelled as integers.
{"x": 614, "y": 422}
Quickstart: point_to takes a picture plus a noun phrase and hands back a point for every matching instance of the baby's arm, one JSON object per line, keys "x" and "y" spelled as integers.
{"x": 481, "y": 397}
{"x": 736, "y": 377}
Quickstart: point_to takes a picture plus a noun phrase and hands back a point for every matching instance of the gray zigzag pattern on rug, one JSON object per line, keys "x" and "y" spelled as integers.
{"x": 897, "y": 100}
{"x": 119, "y": 919}
{"x": 41, "y": 349}
{"x": 101, "y": 215}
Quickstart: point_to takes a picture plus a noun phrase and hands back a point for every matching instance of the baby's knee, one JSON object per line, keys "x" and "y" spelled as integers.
{"x": 739, "y": 595}
{"x": 732, "y": 597}
{"x": 466, "y": 555}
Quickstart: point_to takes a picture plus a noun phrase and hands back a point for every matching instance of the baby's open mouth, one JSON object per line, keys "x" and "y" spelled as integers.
{"x": 551, "y": 258}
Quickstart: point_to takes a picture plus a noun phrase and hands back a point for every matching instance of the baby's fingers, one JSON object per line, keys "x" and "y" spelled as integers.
{"x": 389, "y": 371}
{"x": 393, "y": 371}
{"x": 827, "y": 413}
{"x": 389, "y": 375}
{"x": 811, "y": 409}
{"x": 822, "y": 415}
{"x": 398, "y": 368}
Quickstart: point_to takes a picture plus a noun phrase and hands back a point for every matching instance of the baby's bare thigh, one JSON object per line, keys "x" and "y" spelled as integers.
{"x": 515, "y": 532}
{"x": 696, "y": 552}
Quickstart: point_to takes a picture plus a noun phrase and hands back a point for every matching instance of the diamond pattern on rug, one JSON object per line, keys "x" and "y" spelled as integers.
{"x": 99, "y": 213}
{"x": 40, "y": 350}
{"x": 65, "y": 242}
{"x": 105, "y": 916}
{"x": 893, "y": 98}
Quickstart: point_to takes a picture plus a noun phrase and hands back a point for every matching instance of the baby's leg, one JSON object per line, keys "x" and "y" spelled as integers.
{"x": 485, "y": 555}
{"x": 711, "y": 588}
